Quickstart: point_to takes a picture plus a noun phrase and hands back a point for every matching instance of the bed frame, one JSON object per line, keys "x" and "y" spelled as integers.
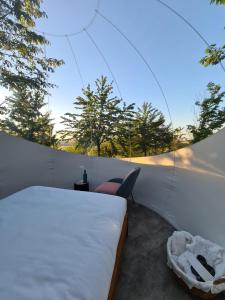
{"x": 120, "y": 247}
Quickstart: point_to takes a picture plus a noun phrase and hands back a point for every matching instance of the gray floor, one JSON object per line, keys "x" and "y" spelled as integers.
{"x": 144, "y": 273}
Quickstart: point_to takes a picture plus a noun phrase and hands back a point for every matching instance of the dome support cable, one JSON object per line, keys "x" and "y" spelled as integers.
{"x": 138, "y": 52}
{"x": 189, "y": 24}
{"x": 91, "y": 22}
{"x": 105, "y": 60}
{"x": 75, "y": 59}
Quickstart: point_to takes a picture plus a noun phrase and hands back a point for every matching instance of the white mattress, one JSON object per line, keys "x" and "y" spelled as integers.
{"x": 58, "y": 244}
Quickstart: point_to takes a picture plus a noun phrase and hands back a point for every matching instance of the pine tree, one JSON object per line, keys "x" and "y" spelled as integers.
{"x": 99, "y": 118}
{"x": 25, "y": 117}
{"x": 152, "y": 136}
{"x": 123, "y": 142}
{"x": 211, "y": 115}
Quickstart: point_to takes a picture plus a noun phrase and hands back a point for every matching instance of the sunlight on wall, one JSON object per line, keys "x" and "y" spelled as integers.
{"x": 183, "y": 159}
{"x": 152, "y": 160}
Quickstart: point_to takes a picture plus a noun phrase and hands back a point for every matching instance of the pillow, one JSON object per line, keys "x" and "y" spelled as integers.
{"x": 110, "y": 188}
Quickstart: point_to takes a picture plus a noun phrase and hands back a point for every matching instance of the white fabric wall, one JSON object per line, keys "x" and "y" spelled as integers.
{"x": 190, "y": 196}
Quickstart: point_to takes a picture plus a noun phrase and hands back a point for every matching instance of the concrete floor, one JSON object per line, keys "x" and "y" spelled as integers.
{"x": 144, "y": 273}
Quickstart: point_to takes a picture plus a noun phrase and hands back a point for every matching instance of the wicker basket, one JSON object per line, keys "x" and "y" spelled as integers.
{"x": 197, "y": 292}
{"x": 213, "y": 287}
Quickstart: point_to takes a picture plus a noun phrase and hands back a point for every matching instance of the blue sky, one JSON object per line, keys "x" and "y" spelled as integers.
{"x": 170, "y": 47}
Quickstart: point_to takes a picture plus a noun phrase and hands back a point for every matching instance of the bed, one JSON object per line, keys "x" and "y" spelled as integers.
{"x": 58, "y": 244}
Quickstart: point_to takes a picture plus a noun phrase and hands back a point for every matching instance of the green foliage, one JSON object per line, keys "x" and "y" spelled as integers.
{"x": 122, "y": 141}
{"x": 151, "y": 133}
{"x": 213, "y": 56}
{"x": 222, "y": 2}
{"x": 100, "y": 116}
{"x": 211, "y": 116}
{"x": 24, "y": 117}
{"x": 105, "y": 126}
{"x": 73, "y": 149}
{"x": 179, "y": 138}
{"x": 22, "y": 59}
{"x": 2, "y": 109}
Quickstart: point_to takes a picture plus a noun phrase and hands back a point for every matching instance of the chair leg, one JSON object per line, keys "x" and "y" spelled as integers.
{"x": 132, "y": 198}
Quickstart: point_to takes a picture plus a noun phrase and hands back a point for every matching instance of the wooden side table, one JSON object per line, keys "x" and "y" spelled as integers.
{"x": 81, "y": 186}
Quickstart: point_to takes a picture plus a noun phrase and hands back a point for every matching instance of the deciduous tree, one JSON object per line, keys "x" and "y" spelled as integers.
{"x": 22, "y": 58}
{"x": 214, "y": 54}
{"x": 212, "y": 114}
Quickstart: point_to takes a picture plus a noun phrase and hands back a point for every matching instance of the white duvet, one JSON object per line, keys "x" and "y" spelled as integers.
{"x": 58, "y": 244}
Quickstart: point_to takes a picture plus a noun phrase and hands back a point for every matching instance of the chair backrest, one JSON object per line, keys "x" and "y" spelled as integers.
{"x": 128, "y": 183}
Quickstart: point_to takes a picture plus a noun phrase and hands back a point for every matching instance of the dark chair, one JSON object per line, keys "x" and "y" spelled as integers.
{"x": 122, "y": 187}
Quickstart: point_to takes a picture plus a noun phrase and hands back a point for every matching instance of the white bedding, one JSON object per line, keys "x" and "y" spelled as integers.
{"x": 58, "y": 244}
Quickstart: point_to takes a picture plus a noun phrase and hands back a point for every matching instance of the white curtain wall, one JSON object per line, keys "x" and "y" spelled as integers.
{"x": 190, "y": 195}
